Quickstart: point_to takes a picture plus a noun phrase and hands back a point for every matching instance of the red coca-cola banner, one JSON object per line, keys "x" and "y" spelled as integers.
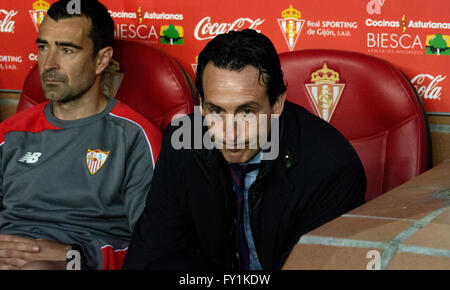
{"x": 412, "y": 34}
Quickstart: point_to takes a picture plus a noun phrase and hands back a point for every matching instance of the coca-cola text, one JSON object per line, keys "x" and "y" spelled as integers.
{"x": 7, "y": 24}
{"x": 207, "y": 30}
{"x": 431, "y": 90}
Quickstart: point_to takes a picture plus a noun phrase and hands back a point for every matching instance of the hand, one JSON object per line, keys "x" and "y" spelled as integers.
{"x": 16, "y": 251}
{"x": 13, "y": 249}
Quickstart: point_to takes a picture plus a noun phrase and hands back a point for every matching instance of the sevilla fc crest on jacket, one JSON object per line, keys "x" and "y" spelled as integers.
{"x": 95, "y": 160}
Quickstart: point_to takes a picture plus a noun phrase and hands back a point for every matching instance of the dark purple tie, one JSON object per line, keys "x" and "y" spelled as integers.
{"x": 238, "y": 173}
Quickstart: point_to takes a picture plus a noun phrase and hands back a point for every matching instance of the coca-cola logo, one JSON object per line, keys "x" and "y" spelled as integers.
{"x": 6, "y": 23}
{"x": 205, "y": 29}
{"x": 428, "y": 89}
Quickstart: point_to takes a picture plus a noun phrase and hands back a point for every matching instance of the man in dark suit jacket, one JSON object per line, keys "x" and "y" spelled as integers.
{"x": 243, "y": 200}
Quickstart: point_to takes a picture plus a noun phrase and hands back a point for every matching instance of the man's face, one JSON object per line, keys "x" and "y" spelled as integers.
{"x": 234, "y": 98}
{"x": 65, "y": 58}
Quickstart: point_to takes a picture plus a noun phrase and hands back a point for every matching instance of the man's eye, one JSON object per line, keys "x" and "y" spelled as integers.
{"x": 216, "y": 111}
{"x": 247, "y": 111}
{"x": 42, "y": 48}
{"x": 67, "y": 50}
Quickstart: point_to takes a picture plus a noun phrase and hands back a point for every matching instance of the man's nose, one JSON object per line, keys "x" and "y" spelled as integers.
{"x": 51, "y": 60}
{"x": 230, "y": 129}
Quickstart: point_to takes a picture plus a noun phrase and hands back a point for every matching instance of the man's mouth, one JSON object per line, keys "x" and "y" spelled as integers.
{"x": 234, "y": 146}
{"x": 53, "y": 78}
{"x": 234, "y": 150}
{"x": 52, "y": 81}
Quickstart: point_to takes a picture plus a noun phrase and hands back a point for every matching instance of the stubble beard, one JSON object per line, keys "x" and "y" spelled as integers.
{"x": 63, "y": 93}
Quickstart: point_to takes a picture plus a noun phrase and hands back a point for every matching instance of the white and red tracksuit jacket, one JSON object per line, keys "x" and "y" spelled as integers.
{"x": 81, "y": 182}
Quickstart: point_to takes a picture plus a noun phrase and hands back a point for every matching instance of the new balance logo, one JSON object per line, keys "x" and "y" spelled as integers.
{"x": 30, "y": 157}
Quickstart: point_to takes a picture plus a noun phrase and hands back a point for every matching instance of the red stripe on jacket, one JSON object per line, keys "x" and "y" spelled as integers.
{"x": 30, "y": 120}
{"x": 113, "y": 259}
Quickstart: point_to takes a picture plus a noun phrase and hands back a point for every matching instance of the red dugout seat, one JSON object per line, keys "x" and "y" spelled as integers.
{"x": 141, "y": 76}
{"x": 371, "y": 103}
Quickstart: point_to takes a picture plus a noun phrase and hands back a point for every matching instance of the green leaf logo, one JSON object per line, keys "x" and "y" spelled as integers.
{"x": 438, "y": 44}
{"x": 172, "y": 34}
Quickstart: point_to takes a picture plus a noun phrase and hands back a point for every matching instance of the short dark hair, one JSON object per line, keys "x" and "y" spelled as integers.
{"x": 237, "y": 49}
{"x": 102, "y": 28}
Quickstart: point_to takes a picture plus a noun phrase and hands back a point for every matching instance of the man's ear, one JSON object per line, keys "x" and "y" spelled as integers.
{"x": 201, "y": 106}
{"x": 103, "y": 58}
{"x": 278, "y": 106}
